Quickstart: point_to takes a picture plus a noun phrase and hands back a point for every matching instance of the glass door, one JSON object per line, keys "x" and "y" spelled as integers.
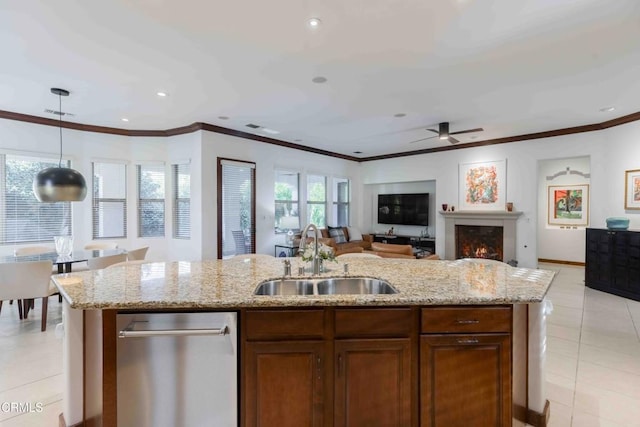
{"x": 236, "y": 207}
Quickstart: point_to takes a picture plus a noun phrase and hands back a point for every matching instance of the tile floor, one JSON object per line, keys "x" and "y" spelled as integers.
{"x": 593, "y": 358}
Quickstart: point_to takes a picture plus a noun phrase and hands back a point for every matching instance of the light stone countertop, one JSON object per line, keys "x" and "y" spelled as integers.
{"x": 230, "y": 284}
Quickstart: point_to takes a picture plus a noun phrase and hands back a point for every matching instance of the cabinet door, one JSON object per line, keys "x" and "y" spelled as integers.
{"x": 465, "y": 380}
{"x": 284, "y": 384}
{"x": 373, "y": 382}
{"x": 598, "y": 266}
{"x": 626, "y": 264}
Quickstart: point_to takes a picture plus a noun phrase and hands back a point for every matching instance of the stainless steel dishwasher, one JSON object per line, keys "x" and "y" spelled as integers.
{"x": 177, "y": 369}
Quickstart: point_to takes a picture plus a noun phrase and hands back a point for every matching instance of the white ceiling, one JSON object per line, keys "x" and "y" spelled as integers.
{"x": 510, "y": 66}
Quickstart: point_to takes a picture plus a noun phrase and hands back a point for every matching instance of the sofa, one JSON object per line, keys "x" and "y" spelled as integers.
{"x": 389, "y": 250}
{"x": 338, "y": 238}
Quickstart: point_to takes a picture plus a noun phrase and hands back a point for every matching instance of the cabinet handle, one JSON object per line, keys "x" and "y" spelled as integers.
{"x": 319, "y": 368}
{"x": 467, "y": 322}
{"x": 468, "y": 341}
{"x": 129, "y": 332}
{"x": 339, "y": 364}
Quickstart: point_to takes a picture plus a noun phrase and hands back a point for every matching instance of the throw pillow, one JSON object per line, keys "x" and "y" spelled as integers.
{"x": 337, "y": 233}
{"x": 354, "y": 235}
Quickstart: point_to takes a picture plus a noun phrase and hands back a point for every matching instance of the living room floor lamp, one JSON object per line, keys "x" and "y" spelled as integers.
{"x": 58, "y": 184}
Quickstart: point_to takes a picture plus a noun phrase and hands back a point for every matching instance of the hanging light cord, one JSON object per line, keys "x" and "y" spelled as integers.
{"x": 60, "y": 121}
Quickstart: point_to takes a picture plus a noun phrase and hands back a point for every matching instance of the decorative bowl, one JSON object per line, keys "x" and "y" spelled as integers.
{"x": 617, "y": 223}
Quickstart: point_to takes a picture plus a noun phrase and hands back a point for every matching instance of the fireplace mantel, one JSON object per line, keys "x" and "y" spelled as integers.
{"x": 481, "y": 215}
{"x": 504, "y": 219}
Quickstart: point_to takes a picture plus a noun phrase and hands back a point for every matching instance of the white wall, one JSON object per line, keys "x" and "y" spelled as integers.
{"x": 559, "y": 242}
{"x": 370, "y": 204}
{"x": 612, "y": 152}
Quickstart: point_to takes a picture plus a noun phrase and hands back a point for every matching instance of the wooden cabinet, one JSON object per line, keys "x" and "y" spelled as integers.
{"x": 373, "y": 379}
{"x": 284, "y": 384}
{"x": 613, "y": 262}
{"x": 465, "y": 367}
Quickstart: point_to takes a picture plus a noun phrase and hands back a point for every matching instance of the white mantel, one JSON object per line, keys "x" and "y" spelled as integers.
{"x": 504, "y": 219}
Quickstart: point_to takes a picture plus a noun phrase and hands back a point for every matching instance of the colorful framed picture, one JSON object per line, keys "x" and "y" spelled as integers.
{"x": 482, "y": 186}
{"x": 568, "y": 205}
{"x": 632, "y": 189}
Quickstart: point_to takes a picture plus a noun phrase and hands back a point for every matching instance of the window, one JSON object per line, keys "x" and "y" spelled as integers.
{"x": 341, "y": 202}
{"x": 150, "y": 200}
{"x": 181, "y": 201}
{"x": 287, "y": 216}
{"x": 23, "y": 217}
{"x": 109, "y": 200}
{"x": 317, "y": 200}
{"x": 236, "y": 207}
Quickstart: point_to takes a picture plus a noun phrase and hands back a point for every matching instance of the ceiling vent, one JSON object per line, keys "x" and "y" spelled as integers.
{"x": 252, "y": 126}
{"x": 59, "y": 113}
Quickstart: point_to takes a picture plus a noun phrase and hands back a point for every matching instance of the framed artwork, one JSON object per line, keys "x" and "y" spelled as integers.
{"x": 568, "y": 205}
{"x": 482, "y": 186}
{"x": 632, "y": 189}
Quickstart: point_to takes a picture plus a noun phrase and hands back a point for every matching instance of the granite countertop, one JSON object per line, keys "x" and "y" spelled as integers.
{"x": 230, "y": 284}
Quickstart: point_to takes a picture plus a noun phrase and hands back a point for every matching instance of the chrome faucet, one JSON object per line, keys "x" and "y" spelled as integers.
{"x": 303, "y": 246}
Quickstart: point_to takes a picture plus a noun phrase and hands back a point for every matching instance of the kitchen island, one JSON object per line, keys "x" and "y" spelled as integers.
{"x": 454, "y": 329}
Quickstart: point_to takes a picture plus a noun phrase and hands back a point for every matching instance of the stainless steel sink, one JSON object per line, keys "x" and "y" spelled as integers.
{"x": 324, "y": 286}
{"x": 285, "y": 287}
{"x": 354, "y": 285}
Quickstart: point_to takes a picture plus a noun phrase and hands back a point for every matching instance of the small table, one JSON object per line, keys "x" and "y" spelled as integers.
{"x": 285, "y": 250}
{"x": 63, "y": 262}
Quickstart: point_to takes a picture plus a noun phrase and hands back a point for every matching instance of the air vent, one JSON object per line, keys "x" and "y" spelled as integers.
{"x": 252, "y": 126}
{"x": 59, "y": 113}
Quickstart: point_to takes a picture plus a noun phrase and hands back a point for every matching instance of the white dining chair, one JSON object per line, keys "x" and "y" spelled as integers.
{"x": 127, "y": 263}
{"x": 137, "y": 254}
{"x": 32, "y": 250}
{"x": 24, "y": 281}
{"x": 105, "y": 261}
{"x": 100, "y": 246}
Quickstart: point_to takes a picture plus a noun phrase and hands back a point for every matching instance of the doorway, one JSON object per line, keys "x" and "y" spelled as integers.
{"x": 236, "y": 207}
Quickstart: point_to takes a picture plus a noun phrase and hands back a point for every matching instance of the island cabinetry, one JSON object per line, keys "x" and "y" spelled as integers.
{"x": 465, "y": 366}
{"x": 613, "y": 262}
{"x": 283, "y": 372}
{"x": 359, "y": 369}
{"x": 375, "y": 374}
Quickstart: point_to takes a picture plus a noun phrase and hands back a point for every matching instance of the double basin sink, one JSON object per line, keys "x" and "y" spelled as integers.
{"x": 325, "y": 286}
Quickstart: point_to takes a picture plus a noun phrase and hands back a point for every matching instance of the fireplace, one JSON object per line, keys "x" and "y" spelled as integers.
{"x": 482, "y": 234}
{"x": 479, "y": 241}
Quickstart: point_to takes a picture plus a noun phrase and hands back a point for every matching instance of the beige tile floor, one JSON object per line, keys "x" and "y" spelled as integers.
{"x": 593, "y": 358}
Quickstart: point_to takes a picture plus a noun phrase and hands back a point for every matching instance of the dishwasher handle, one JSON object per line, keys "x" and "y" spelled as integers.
{"x": 128, "y": 332}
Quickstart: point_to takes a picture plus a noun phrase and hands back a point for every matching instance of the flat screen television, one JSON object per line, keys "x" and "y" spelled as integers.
{"x": 404, "y": 209}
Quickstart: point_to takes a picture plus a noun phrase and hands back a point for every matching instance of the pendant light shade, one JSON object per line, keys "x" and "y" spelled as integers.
{"x": 58, "y": 184}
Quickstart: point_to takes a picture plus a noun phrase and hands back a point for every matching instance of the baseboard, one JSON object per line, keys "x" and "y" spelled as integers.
{"x": 559, "y": 261}
{"x": 537, "y": 419}
{"x": 63, "y": 423}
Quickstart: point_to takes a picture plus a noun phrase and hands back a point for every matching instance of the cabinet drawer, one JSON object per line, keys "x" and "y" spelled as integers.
{"x": 465, "y": 319}
{"x": 284, "y": 324}
{"x": 376, "y": 322}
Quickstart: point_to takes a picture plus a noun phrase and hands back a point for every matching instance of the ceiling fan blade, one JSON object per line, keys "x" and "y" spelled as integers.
{"x": 434, "y": 131}
{"x": 466, "y": 131}
{"x": 453, "y": 140}
{"x": 423, "y": 139}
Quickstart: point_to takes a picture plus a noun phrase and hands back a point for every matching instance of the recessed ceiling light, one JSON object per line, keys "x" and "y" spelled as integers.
{"x": 607, "y": 109}
{"x": 319, "y": 79}
{"x": 399, "y": 115}
{"x": 124, "y": 119}
{"x": 161, "y": 94}
{"x": 314, "y": 22}
{"x": 271, "y": 131}
{"x": 223, "y": 117}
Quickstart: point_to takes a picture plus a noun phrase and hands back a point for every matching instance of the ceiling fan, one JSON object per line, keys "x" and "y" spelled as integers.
{"x": 443, "y": 133}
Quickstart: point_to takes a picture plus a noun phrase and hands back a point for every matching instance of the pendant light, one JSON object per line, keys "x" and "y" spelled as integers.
{"x": 58, "y": 184}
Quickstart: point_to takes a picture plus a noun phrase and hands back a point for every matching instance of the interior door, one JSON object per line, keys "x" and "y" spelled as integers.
{"x": 236, "y": 207}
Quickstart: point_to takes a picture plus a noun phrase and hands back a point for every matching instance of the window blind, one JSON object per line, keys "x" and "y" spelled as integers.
{"x": 23, "y": 217}
{"x": 341, "y": 202}
{"x": 151, "y": 191}
{"x": 317, "y": 200}
{"x": 238, "y": 184}
{"x": 109, "y": 200}
{"x": 181, "y": 201}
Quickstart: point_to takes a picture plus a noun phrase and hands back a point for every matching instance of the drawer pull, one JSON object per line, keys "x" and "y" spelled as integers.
{"x": 467, "y": 322}
{"x": 468, "y": 341}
